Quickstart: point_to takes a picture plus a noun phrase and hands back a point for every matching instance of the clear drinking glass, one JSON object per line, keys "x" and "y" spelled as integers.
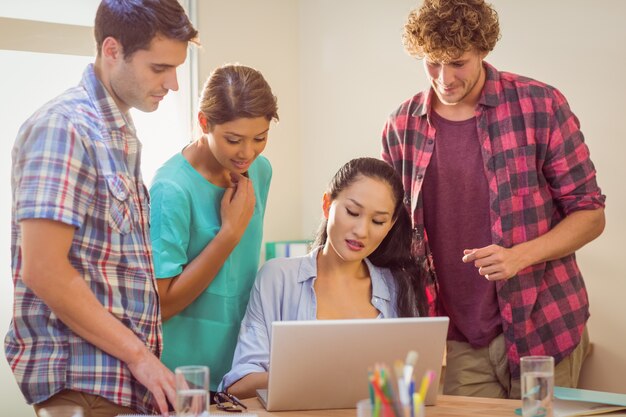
{"x": 192, "y": 391}
{"x": 61, "y": 411}
{"x": 537, "y": 381}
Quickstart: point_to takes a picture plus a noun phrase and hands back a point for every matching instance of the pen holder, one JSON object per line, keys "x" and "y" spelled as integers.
{"x": 364, "y": 409}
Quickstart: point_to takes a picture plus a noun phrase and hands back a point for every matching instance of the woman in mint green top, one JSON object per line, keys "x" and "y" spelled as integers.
{"x": 207, "y": 209}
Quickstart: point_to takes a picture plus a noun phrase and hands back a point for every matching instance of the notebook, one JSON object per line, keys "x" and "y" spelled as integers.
{"x": 323, "y": 364}
{"x": 581, "y": 402}
{"x": 574, "y": 402}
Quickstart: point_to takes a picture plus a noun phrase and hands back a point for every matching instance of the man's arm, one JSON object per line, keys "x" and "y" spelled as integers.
{"x": 573, "y": 232}
{"x": 49, "y": 274}
{"x": 570, "y": 174}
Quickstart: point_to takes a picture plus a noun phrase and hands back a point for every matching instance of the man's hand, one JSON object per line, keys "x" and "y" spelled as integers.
{"x": 159, "y": 380}
{"x": 495, "y": 262}
{"x": 49, "y": 274}
{"x": 570, "y": 234}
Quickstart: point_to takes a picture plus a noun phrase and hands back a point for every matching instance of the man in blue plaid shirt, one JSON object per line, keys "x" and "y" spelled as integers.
{"x": 86, "y": 321}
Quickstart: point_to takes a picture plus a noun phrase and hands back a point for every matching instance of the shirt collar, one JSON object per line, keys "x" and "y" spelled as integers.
{"x": 425, "y": 106}
{"x": 380, "y": 289}
{"x": 111, "y": 115}
{"x": 491, "y": 94}
{"x": 308, "y": 268}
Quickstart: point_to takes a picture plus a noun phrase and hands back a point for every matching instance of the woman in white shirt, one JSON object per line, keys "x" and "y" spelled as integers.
{"x": 361, "y": 267}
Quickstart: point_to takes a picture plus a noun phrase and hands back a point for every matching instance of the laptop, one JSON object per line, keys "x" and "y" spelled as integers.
{"x": 323, "y": 364}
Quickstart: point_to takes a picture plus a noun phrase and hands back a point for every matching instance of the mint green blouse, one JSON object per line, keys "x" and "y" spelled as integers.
{"x": 185, "y": 216}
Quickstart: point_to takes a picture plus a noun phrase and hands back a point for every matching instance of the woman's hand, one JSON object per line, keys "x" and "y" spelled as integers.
{"x": 237, "y": 206}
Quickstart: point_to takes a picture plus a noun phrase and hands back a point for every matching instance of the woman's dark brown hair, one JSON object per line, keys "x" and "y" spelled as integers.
{"x": 394, "y": 252}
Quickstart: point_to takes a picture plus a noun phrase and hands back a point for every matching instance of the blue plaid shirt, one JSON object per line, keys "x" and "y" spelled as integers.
{"x": 76, "y": 161}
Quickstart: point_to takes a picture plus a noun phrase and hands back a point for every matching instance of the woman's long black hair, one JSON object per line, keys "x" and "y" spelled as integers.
{"x": 394, "y": 252}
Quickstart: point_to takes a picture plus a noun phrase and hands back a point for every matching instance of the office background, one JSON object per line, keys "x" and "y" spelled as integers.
{"x": 338, "y": 69}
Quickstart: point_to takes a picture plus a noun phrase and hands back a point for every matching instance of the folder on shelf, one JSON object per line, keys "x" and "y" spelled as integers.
{"x": 286, "y": 248}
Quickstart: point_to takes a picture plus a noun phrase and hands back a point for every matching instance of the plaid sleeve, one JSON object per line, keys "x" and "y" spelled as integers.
{"x": 394, "y": 135}
{"x": 391, "y": 150}
{"x": 53, "y": 176}
{"x": 385, "y": 143}
{"x": 568, "y": 168}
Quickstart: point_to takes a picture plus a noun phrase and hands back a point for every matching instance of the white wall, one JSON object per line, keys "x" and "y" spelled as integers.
{"x": 71, "y": 12}
{"x": 263, "y": 35}
{"x": 353, "y": 72}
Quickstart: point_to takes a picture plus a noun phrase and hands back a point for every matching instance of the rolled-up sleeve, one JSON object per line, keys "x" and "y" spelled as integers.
{"x": 569, "y": 170}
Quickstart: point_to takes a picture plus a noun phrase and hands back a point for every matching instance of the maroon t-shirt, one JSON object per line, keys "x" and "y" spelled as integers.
{"x": 456, "y": 217}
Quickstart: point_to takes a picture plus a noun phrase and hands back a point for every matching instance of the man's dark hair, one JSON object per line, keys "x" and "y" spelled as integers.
{"x": 134, "y": 23}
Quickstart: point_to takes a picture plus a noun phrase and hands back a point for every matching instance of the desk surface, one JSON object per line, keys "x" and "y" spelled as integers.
{"x": 447, "y": 406}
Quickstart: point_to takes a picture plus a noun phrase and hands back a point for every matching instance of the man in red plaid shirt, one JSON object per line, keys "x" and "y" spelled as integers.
{"x": 501, "y": 192}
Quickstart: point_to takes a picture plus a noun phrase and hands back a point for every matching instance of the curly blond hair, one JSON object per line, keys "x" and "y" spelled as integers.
{"x": 446, "y": 29}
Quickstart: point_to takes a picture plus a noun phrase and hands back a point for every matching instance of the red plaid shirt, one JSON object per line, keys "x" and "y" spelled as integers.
{"x": 538, "y": 170}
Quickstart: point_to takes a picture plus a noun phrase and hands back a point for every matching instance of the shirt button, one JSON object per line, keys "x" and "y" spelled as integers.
{"x": 420, "y": 176}
{"x": 430, "y": 141}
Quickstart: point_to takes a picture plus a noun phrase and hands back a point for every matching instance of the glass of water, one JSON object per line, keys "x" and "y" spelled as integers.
{"x": 192, "y": 391}
{"x": 537, "y": 381}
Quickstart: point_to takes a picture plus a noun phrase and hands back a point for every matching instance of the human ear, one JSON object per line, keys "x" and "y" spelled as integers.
{"x": 112, "y": 49}
{"x": 326, "y": 205}
{"x": 204, "y": 123}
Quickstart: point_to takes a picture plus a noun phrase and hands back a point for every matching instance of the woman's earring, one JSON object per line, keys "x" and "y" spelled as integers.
{"x": 203, "y": 123}
{"x": 325, "y": 205}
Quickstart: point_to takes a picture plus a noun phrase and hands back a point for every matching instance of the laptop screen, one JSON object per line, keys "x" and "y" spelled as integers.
{"x": 323, "y": 364}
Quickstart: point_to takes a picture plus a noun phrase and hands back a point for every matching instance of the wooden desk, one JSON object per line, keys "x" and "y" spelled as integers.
{"x": 447, "y": 406}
